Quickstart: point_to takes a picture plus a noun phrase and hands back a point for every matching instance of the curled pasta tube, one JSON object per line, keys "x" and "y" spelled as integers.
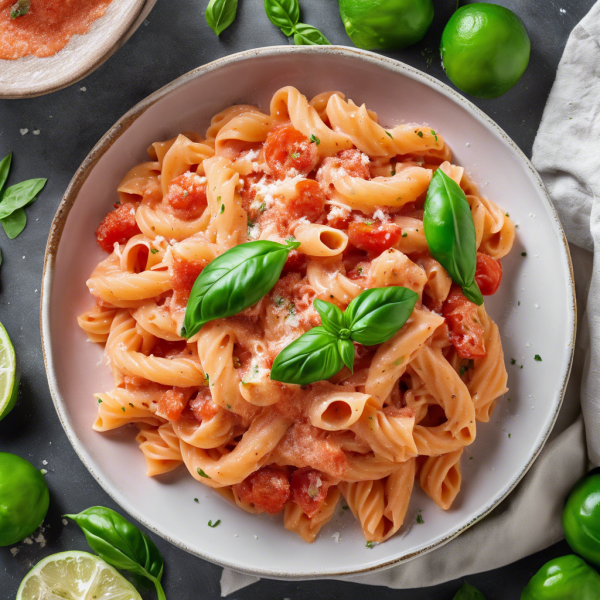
{"x": 440, "y": 478}
{"x": 337, "y": 410}
{"x": 320, "y": 240}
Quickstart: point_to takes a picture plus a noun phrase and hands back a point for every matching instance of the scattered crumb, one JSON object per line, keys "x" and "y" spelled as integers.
{"x": 41, "y": 540}
{"x": 36, "y": 132}
{"x": 467, "y": 144}
{"x": 44, "y": 462}
{"x": 83, "y": 88}
{"x": 537, "y": 305}
{"x": 43, "y": 471}
{"x": 14, "y": 551}
{"x": 336, "y": 537}
{"x": 563, "y": 11}
{"x": 28, "y": 541}
{"x": 24, "y": 131}
{"x": 65, "y": 522}
{"x": 255, "y": 537}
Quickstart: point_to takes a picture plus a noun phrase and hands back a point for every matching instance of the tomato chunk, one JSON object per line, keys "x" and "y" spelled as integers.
{"x": 466, "y": 332}
{"x": 488, "y": 274}
{"x": 267, "y": 488}
{"x": 373, "y": 237}
{"x": 117, "y": 227}
{"x": 202, "y": 406}
{"x": 309, "y": 490}
{"x": 309, "y": 201}
{"x": 289, "y": 152}
{"x": 164, "y": 349}
{"x": 187, "y": 196}
{"x": 171, "y": 404}
{"x": 184, "y": 274}
{"x": 296, "y": 262}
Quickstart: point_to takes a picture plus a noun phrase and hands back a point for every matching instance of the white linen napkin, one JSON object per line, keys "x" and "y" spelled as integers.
{"x": 567, "y": 155}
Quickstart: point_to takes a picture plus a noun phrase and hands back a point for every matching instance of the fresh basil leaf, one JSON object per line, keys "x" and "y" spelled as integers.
{"x": 121, "y": 544}
{"x": 15, "y": 223}
{"x": 220, "y": 14}
{"x": 314, "y": 356}
{"x": 307, "y": 35}
{"x": 20, "y": 195}
{"x": 377, "y": 314}
{"x": 332, "y": 317}
{"x": 450, "y": 232}
{"x": 473, "y": 293}
{"x": 4, "y": 169}
{"x": 468, "y": 592}
{"x": 283, "y": 14}
{"x": 234, "y": 281}
{"x": 346, "y": 350}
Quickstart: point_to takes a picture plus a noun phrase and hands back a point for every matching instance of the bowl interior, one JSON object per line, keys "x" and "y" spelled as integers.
{"x": 537, "y": 290}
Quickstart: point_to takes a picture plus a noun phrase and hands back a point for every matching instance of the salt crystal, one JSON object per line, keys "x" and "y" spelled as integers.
{"x": 36, "y": 132}
{"x": 65, "y": 522}
{"x": 83, "y": 88}
{"x": 44, "y": 462}
{"x": 336, "y": 537}
{"x": 24, "y": 131}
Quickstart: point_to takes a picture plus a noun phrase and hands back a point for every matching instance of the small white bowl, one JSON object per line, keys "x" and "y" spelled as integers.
{"x": 31, "y": 76}
{"x": 535, "y": 309}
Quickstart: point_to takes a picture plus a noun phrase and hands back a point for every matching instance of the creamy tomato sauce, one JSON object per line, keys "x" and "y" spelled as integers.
{"x": 47, "y": 26}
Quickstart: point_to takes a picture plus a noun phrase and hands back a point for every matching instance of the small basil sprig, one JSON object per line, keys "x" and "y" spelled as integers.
{"x": 19, "y": 8}
{"x": 371, "y": 318}
{"x": 450, "y": 233}
{"x": 285, "y": 14}
{"x": 234, "y": 281}
{"x": 121, "y": 544}
{"x": 220, "y": 14}
{"x": 15, "y": 199}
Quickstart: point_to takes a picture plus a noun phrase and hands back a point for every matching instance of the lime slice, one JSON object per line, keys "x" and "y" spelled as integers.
{"x": 9, "y": 379}
{"x": 75, "y": 576}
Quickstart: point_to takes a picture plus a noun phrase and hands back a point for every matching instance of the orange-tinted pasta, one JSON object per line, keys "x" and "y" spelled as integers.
{"x": 352, "y": 192}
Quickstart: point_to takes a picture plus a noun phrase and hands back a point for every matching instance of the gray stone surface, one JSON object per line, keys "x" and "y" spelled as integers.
{"x": 174, "y": 40}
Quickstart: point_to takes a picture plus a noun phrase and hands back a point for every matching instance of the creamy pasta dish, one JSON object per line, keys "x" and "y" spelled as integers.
{"x": 291, "y": 307}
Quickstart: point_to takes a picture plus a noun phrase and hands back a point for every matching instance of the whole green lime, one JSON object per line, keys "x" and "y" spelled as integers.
{"x": 24, "y": 498}
{"x": 386, "y": 24}
{"x": 485, "y": 49}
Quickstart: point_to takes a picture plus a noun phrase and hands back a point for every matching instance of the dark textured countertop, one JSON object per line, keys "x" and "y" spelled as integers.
{"x": 174, "y": 40}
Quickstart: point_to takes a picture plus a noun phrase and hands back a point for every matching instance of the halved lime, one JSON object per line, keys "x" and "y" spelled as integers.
{"x": 9, "y": 378}
{"x": 75, "y": 576}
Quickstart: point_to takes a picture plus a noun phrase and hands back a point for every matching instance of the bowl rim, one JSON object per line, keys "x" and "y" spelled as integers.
{"x": 121, "y": 126}
{"x": 129, "y": 27}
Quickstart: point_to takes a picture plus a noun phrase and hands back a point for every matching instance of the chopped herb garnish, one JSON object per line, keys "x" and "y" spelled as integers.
{"x": 393, "y": 172}
{"x": 405, "y": 234}
{"x": 523, "y": 253}
{"x": 359, "y": 270}
{"x": 278, "y": 300}
{"x": 290, "y": 239}
{"x": 222, "y": 209}
{"x": 389, "y": 135}
{"x": 202, "y": 473}
{"x": 314, "y": 139}
{"x": 196, "y": 501}
{"x": 99, "y": 401}
{"x": 295, "y": 155}
{"x": 369, "y": 545}
{"x": 420, "y": 519}
{"x": 399, "y": 361}
{"x": 509, "y": 435}
{"x": 521, "y": 367}
{"x": 519, "y": 303}
{"x": 434, "y": 134}
{"x": 218, "y": 198}
{"x": 123, "y": 408}
{"x": 185, "y": 194}
{"x": 345, "y": 507}
{"x": 215, "y": 524}
{"x": 153, "y": 250}
{"x": 419, "y": 133}
{"x": 462, "y": 370}
{"x": 513, "y": 361}
{"x": 262, "y": 207}
{"x": 508, "y": 399}
{"x": 292, "y": 308}
{"x": 368, "y": 222}
{"x": 19, "y": 8}
{"x": 131, "y": 404}
{"x": 538, "y": 358}
{"x": 470, "y": 458}
{"x": 228, "y": 406}
{"x": 507, "y": 214}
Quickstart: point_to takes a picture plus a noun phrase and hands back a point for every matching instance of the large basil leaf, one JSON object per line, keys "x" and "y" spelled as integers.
{"x": 234, "y": 281}
{"x": 332, "y": 317}
{"x": 468, "y": 592}
{"x": 220, "y": 14}
{"x": 121, "y": 544}
{"x": 314, "y": 356}
{"x": 307, "y": 35}
{"x": 377, "y": 314}
{"x": 20, "y": 195}
{"x": 283, "y": 14}
{"x": 4, "y": 169}
{"x": 14, "y": 223}
{"x": 450, "y": 232}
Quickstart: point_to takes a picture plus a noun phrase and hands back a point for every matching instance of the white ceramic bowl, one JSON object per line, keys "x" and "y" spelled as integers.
{"x": 543, "y": 323}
